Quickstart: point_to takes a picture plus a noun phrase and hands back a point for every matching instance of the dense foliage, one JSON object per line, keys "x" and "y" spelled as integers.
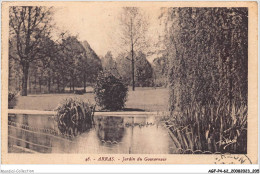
{"x": 143, "y": 70}
{"x": 160, "y": 71}
{"x": 110, "y": 65}
{"x": 68, "y": 64}
{"x": 110, "y": 92}
{"x": 74, "y": 116}
{"x": 208, "y": 54}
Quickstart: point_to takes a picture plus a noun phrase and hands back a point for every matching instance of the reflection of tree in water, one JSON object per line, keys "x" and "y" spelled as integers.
{"x": 110, "y": 128}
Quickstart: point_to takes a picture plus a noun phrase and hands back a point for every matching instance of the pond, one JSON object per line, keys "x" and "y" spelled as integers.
{"x": 109, "y": 135}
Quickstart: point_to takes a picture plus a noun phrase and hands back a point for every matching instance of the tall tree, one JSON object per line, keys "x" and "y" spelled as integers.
{"x": 28, "y": 25}
{"x": 134, "y": 27}
{"x": 93, "y": 62}
{"x": 109, "y": 64}
{"x": 75, "y": 59}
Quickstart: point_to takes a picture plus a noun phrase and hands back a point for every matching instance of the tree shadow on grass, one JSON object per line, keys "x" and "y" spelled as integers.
{"x": 132, "y": 109}
{"x": 71, "y": 94}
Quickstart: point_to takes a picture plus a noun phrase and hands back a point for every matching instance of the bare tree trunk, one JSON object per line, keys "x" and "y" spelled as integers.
{"x": 35, "y": 81}
{"x": 29, "y": 82}
{"x": 58, "y": 84}
{"x": 17, "y": 83}
{"x": 84, "y": 81}
{"x": 25, "y": 64}
{"x": 19, "y": 86}
{"x": 63, "y": 84}
{"x": 133, "y": 68}
{"x": 70, "y": 85}
{"x": 49, "y": 82}
{"x": 154, "y": 80}
{"x": 40, "y": 83}
{"x": 25, "y": 78}
{"x": 53, "y": 79}
{"x": 73, "y": 85}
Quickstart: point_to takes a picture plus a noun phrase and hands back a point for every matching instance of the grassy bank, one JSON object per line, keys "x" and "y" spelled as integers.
{"x": 148, "y": 99}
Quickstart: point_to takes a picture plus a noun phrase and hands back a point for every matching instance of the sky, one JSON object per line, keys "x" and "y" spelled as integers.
{"x": 99, "y": 24}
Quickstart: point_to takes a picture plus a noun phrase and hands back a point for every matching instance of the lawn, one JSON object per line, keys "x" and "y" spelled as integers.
{"x": 148, "y": 99}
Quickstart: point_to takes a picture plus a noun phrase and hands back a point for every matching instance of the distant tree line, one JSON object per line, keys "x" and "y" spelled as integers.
{"x": 40, "y": 64}
{"x": 71, "y": 64}
{"x": 146, "y": 74}
{"x": 132, "y": 64}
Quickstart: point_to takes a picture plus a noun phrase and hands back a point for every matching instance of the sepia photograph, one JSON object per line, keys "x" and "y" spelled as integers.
{"x": 109, "y": 78}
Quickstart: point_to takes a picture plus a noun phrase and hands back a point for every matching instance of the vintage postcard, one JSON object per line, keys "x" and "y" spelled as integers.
{"x": 129, "y": 83}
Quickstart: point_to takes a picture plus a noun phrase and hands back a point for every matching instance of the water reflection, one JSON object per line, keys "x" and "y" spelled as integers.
{"x": 110, "y": 129}
{"x": 120, "y": 135}
{"x": 24, "y": 134}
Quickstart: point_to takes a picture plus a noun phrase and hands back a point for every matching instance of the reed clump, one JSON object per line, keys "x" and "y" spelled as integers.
{"x": 74, "y": 116}
{"x": 210, "y": 129}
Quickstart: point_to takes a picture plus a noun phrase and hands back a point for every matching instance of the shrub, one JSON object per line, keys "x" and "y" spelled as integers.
{"x": 110, "y": 92}
{"x": 74, "y": 116}
{"x": 11, "y": 99}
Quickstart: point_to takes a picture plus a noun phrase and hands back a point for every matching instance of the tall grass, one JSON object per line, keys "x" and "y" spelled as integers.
{"x": 74, "y": 116}
{"x": 217, "y": 128}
